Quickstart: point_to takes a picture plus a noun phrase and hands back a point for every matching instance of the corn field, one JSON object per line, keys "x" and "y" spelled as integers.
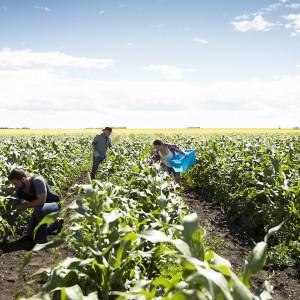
{"x": 131, "y": 234}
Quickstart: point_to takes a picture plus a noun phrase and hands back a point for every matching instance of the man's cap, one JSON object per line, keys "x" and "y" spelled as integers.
{"x": 107, "y": 129}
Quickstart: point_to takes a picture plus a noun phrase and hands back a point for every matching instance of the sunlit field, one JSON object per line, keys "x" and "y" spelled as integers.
{"x": 148, "y": 131}
{"x": 143, "y": 226}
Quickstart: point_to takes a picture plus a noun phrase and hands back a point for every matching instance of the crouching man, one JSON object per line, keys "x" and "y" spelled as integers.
{"x": 39, "y": 196}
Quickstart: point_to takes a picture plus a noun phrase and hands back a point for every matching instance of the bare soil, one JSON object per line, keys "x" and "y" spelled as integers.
{"x": 236, "y": 244}
{"x": 228, "y": 240}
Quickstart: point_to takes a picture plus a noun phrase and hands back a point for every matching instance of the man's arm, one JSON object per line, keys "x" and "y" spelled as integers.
{"x": 40, "y": 200}
{"x": 41, "y": 194}
{"x": 94, "y": 143}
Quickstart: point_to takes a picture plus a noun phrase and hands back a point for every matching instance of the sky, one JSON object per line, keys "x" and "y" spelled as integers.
{"x": 149, "y": 63}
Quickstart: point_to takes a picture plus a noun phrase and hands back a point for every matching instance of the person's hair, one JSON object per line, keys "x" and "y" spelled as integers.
{"x": 158, "y": 142}
{"x": 109, "y": 129}
{"x": 17, "y": 174}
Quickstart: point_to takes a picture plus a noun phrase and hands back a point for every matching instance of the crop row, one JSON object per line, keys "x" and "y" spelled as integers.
{"x": 131, "y": 223}
{"x": 132, "y": 237}
{"x": 256, "y": 179}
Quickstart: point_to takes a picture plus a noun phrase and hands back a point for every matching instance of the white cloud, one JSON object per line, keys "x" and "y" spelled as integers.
{"x": 201, "y": 41}
{"x": 170, "y": 72}
{"x": 256, "y": 24}
{"x": 43, "y": 8}
{"x": 101, "y": 12}
{"x": 273, "y": 7}
{"x": 44, "y": 98}
{"x": 293, "y": 5}
{"x": 294, "y": 24}
{"x": 27, "y": 58}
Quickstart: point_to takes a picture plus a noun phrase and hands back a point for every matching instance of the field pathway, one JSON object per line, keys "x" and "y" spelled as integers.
{"x": 225, "y": 239}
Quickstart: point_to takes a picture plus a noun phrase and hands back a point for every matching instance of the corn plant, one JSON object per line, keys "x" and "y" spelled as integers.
{"x": 133, "y": 238}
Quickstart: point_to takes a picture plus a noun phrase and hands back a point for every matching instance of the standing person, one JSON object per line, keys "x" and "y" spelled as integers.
{"x": 163, "y": 153}
{"x": 39, "y": 196}
{"x": 100, "y": 145}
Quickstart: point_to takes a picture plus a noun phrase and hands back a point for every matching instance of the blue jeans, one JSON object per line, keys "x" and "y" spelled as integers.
{"x": 38, "y": 214}
{"x": 96, "y": 162}
{"x": 170, "y": 171}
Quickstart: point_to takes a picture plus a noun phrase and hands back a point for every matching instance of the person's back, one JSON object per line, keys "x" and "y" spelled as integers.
{"x": 37, "y": 186}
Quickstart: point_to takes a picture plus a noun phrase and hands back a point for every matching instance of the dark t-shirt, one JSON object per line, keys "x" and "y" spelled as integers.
{"x": 38, "y": 186}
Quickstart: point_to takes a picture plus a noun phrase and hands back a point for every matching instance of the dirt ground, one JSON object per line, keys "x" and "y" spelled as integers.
{"x": 236, "y": 245}
{"x": 225, "y": 239}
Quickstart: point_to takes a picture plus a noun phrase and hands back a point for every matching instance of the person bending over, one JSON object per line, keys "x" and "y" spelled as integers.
{"x": 163, "y": 153}
{"x": 38, "y": 196}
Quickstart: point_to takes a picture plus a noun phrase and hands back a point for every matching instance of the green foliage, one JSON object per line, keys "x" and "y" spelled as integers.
{"x": 59, "y": 159}
{"x": 256, "y": 178}
{"x": 130, "y": 224}
{"x": 132, "y": 238}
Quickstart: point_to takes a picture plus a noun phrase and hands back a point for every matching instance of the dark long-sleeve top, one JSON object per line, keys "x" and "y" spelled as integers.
{"x": 101, "y": 144}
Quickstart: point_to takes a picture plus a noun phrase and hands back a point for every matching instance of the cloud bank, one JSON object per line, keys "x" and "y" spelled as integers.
{"x": 27, "y": 58}
{"x": 36, "y": 96}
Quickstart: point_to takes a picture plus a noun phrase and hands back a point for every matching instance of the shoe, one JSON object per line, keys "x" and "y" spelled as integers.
{"x": 60, "y": 224}
{"x": 56, "y": 227}
{"x": 41, "y": 240}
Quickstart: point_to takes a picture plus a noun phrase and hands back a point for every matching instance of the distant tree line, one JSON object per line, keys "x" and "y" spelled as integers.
{"x": 113, "y": 127}
{"x": 14, "y": 127}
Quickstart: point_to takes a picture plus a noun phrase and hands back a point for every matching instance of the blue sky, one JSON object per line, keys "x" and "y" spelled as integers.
{"x": 150, "y": 63}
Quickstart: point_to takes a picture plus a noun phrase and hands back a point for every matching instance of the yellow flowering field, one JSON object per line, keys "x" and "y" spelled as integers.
{"x": 147, "y": 131}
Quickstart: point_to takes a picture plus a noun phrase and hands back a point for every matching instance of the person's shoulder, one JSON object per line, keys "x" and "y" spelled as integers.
{"x": 174, "y": 147}
{"x": 38, "y": 179}
{"x": 97, "y": 137}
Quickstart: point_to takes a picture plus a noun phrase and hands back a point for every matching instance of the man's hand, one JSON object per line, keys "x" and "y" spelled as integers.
{"x": 186, "y": 155}
{"x": 95, "y": 154}
{"x": 20, "y": 207}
